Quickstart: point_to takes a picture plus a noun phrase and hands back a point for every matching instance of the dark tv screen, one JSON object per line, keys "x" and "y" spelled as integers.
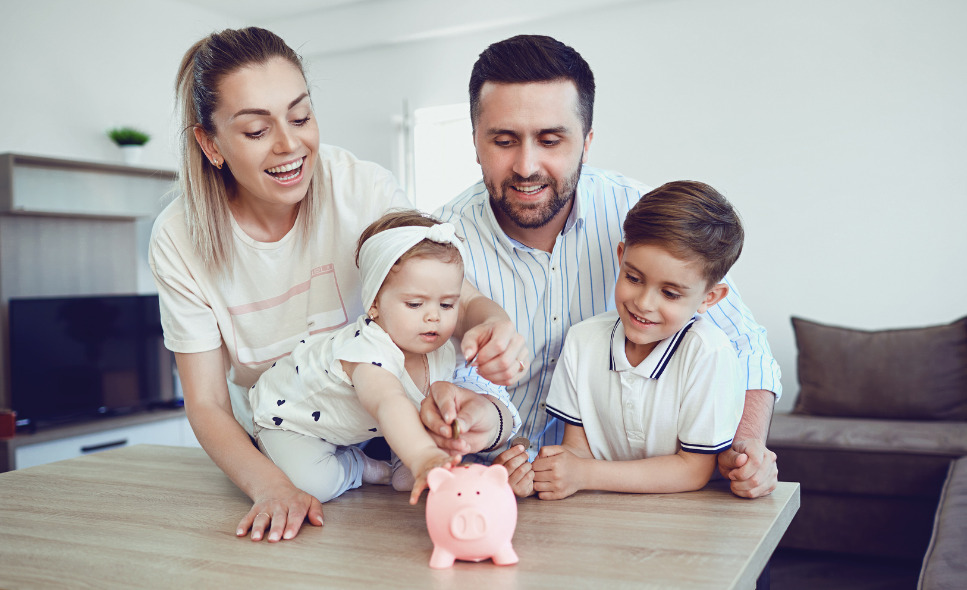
{"x": 77, "y": 358}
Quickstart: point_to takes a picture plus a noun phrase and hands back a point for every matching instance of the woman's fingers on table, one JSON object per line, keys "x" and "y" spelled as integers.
{"x": 276, "y": 520}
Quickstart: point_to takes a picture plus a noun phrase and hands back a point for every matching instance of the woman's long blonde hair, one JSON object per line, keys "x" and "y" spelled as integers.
{"x": 207, "y": 190}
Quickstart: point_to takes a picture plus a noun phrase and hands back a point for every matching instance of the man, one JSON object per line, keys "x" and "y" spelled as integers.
{"x": 542, "y": 233}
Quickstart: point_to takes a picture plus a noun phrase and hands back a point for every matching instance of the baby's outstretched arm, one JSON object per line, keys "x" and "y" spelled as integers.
{"x": 382, "y": 394}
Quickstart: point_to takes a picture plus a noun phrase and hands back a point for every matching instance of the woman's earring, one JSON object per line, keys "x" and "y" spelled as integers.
{"x": 216, "y": 163}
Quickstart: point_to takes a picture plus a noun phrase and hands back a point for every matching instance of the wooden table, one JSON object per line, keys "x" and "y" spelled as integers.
{"x": 164, "y": 517}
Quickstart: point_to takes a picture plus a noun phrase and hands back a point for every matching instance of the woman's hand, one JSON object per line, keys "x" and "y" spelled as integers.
{"x": 476, "y": 415}
{"x": 280, "y": 515}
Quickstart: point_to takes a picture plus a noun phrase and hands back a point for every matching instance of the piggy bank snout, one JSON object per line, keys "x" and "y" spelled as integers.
{"x": 468, "y": 524}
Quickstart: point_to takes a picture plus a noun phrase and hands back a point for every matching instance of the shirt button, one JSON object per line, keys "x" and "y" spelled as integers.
{"x": 552, "y": 361}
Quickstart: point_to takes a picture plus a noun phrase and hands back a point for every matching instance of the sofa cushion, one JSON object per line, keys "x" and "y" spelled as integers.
{"x": 944, "y": 565}
{"x": 947, "y": 439}
{"x": 906, "y": 374}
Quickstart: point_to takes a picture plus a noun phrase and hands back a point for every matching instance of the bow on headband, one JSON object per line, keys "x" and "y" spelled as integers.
{"x": 380, "y": 252}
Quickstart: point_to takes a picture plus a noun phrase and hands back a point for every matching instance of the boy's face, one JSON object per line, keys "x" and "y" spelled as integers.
{"x": 656, "y": 294}
{"x": 418, "y": 302}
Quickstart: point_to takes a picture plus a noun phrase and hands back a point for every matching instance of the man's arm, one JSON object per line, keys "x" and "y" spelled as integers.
{"x": 749, "y": 464}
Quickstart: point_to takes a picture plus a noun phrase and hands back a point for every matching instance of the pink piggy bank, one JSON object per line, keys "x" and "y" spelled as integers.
{"x": 471, "y": 514}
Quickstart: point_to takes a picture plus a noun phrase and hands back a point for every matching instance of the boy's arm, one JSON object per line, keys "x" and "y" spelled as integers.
{"x": 382, "y": 395}
{"x": 560, "y": 471}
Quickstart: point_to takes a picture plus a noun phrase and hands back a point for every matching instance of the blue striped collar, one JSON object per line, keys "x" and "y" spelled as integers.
{"x": 656, "y": 361}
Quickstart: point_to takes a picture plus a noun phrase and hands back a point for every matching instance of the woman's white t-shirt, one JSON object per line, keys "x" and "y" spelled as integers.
{"x": 278, "y": 292}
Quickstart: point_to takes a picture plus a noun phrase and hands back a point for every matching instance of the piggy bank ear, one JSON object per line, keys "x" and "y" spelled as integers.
{"x": 438, "y": 475}
{"x": 497, "y": 474}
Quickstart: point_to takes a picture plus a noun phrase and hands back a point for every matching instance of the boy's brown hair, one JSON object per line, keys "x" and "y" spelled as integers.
{"x": 691, "y": 220}
{"x": 411, "y": 217}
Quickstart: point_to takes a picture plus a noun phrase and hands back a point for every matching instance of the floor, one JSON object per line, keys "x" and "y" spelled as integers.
{"x": 806, "y": 570}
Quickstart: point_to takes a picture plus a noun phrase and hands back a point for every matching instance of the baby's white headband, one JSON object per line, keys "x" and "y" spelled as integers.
{"x": 380, "y": 252}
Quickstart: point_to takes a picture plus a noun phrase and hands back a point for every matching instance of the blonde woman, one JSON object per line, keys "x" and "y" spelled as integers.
{"x": 256, "y": 254}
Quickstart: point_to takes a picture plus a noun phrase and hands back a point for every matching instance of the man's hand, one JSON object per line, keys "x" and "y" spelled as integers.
{"x": 517, "y": 462}
{"x": 477, "y": 416}
{"x": 557, "y": 473}
{"x": 751, "y": 467}
{"x": 497, "y": 350}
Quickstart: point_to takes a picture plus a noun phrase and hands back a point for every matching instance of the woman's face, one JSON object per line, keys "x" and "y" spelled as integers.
{"x": 266, "y": 133}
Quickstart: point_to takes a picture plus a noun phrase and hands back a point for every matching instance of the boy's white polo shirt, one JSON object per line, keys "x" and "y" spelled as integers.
{"x": 686, "y": 394}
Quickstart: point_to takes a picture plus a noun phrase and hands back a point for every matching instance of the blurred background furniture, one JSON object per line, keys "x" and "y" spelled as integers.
{"x": 877, "y": 436}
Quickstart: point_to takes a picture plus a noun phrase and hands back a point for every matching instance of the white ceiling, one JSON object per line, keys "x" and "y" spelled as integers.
{"x": 261, "y": 10}
{"x": 321, "y": 27}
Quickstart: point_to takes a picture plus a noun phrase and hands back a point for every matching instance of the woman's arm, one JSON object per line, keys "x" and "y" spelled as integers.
{"x": 209, "y": 410}
{"x": 560, "y": 471}
{"x": 381, "y": 393}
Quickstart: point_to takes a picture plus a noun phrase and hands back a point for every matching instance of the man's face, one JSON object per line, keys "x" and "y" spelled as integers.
{"x": 530, "y": 147}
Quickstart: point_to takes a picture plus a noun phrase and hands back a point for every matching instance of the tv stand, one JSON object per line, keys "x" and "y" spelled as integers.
{"x": 55, "y": 443}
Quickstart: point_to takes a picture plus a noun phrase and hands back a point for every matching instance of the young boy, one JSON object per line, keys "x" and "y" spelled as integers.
{"x": 651, "y": 393}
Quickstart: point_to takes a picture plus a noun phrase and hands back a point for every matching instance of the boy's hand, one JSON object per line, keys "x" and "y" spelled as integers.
{"x": 518, "y": 465}
{"x": 436, "y": 460}
{"x": 557, "y": 473}
{"x": 751, "y": 467}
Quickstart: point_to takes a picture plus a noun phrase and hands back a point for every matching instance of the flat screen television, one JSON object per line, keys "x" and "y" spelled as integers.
{"x": 78, "y": 358}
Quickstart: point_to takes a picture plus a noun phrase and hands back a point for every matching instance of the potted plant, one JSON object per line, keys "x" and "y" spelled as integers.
{"x": 131, "y": 141}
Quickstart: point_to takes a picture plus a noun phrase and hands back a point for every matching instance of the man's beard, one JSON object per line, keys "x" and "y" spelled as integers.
{"x": 535, "y": 215}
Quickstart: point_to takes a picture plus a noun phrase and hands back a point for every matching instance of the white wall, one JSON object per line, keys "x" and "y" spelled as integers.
{"x": 71, "y": 70}
{"x": 836, "y": 127}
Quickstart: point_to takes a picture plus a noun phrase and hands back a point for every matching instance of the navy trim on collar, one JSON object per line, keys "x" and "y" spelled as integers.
{"x": 673, "y": 341}
{"x": 676, "y": 340}
{"x": 612, "y": 366}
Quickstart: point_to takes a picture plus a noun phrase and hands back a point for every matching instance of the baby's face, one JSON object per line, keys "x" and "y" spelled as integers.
{"x": 418, "y": 303}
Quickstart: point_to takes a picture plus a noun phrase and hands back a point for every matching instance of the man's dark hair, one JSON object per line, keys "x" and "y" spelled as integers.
{"x": 533, "y": 58}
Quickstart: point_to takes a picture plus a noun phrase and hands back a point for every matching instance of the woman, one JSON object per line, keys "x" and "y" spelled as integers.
{"x": 257, "y": 253}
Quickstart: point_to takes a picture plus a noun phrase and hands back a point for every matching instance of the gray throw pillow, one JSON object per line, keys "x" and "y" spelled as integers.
{"x": 911, "y": 374}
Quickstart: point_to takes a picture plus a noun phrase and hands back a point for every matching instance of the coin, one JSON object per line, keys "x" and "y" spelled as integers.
{"x": 455, "y": 427}
{"x": 521, "y": 440}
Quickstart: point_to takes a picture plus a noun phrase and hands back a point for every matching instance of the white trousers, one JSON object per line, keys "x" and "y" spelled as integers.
{"x": 313, "y": 465}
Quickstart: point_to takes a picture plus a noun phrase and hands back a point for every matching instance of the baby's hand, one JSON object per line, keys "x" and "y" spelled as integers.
{"x": 441, "y": 459}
